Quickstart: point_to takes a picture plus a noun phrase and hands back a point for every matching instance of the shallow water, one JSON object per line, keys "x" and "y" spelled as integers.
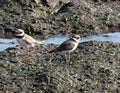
{"x": 6, "y": 43}
{"x": 114, "y": 37}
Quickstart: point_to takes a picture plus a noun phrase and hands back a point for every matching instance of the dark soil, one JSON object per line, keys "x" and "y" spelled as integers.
{"x": 46, "y": 18}
{"x": 94, "y": 68}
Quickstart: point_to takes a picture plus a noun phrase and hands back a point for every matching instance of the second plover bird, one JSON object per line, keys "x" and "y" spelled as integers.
{"x": 67, "y": 47}
{"x": 25, "y": 40}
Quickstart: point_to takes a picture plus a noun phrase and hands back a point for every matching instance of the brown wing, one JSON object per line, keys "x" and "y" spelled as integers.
{"x": 67, "y": 45}
{"x": 28, "y": 39}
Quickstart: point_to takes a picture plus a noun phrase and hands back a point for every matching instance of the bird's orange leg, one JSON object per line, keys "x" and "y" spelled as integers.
{"x": 27, "y": 52}
{"x": 66, "y": 57}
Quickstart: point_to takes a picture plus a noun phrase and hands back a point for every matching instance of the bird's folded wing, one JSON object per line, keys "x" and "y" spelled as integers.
{"x": 66, "y": 46}
{"x": 28, "y": 39}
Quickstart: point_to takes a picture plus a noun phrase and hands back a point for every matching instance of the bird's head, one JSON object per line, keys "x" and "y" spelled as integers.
{"x": 19, "y": 32}
{"x": 76, "y": 37}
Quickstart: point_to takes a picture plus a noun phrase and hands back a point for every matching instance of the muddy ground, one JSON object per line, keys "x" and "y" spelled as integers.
{"x": 46, "y": 18}
{"x": 94, "y": 66}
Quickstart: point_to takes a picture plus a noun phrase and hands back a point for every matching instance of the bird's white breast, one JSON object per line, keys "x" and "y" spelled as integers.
{"x": 76, "y": 44}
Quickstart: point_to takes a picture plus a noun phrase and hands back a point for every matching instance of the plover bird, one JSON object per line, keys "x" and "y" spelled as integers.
{"x": 67, "y": 47}
{"x": 25, "y": 40}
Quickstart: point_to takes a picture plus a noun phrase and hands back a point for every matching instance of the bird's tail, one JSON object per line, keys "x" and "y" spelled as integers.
{"x": 52, "y": 51}
{"x": 40, "y": 42}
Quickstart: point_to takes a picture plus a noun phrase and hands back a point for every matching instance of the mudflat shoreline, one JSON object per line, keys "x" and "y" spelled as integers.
{"x": 94, "y": 67}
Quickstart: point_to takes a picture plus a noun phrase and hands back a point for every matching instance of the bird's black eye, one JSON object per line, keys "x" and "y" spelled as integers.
{"x": 18, "y": 32}
{"x": 77, "y": 37}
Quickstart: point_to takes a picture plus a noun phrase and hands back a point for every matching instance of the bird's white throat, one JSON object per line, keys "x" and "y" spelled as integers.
{"x": 76, "y": 40}
{"x": 22, "y": 34}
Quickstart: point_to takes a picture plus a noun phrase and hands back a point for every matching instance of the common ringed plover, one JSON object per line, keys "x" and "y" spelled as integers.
{"x": 26, "y": 40}
{"x": 67, "y": 47}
